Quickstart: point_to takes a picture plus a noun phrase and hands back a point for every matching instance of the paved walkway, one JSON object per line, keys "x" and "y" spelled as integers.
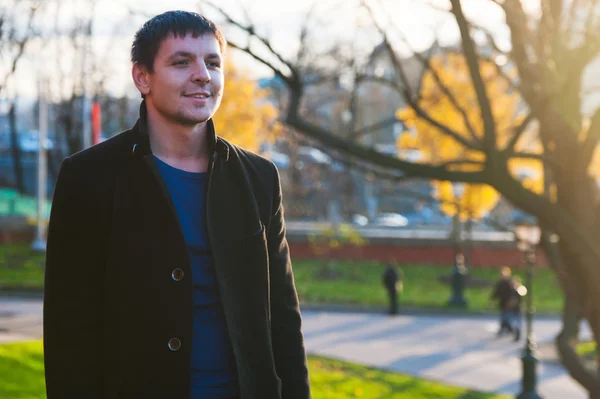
{"x": 20, "y": 319}
{"x": 459, "y": 350}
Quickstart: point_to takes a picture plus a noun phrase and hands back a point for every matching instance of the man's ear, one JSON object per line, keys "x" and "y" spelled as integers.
{"x": 140, "y": 77}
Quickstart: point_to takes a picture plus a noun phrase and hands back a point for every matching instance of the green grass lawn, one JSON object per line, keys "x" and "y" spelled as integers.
{"x": 20, "y": 267}
{"x": 360, "y": 283}
{"x": 22, "y": 371}
{"x": 340, "y": 283}
{"x": 586, "y": 349}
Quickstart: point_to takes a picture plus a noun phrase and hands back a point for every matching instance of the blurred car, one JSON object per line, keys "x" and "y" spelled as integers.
{"x": 28, "y": 141}
{"x": 391, "y": 220}
{"x": 360, "y": 220}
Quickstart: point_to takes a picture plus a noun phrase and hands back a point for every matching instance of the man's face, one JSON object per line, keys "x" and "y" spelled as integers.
{"x": 186, "y": 86}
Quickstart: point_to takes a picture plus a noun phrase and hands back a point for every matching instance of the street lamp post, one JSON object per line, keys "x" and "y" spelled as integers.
{"x": 528, "y": 235}
{"x": 459, "y": 271}
{"x": 39, "y": 243}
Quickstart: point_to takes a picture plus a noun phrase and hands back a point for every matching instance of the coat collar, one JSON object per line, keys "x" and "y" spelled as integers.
{"x": 140, "y": 145}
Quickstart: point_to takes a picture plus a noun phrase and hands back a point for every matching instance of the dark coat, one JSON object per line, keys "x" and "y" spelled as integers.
{"x": 390, "y": 279}
{"x": 515, "y": 299}
{"x": 502, "y": 293}
{"x": 112, "y": 303}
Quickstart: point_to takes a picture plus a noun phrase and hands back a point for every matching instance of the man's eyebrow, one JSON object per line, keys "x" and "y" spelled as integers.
{"x": 187, "y": 54}
{"x": 213, "y": 56}
{"x": 178, "y": 54}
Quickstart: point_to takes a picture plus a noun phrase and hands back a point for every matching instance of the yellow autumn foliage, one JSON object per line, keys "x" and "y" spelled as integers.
{"x": 245, "y": 116}
{"x": 437, "y": 148}
{"x": 475, "y": 201}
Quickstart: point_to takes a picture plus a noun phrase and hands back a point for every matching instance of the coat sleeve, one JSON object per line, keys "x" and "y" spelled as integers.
{"x": 287, "y": 339}
{"x": 72, "y": 301}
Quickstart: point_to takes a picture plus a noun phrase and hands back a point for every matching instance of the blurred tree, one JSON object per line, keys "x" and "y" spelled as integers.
{"x": 245, "y": 117}
{"x": 435, "y": 148}
{"x": 551, "y": 47}
{"x": 16, "y": 31}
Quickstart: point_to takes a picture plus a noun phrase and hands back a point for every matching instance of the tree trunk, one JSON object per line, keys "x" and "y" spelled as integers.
{"x": 577, "y": 195}
{"x": 565, "y": 342}
{"x": 16, "y": 148}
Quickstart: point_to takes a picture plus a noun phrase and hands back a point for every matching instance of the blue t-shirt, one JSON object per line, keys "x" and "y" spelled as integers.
{"x": 213, "y": 367}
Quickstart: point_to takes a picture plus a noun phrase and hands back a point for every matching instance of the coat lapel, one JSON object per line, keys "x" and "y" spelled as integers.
{"x": 232, "y": 212}
{"x": 239, "y": 247}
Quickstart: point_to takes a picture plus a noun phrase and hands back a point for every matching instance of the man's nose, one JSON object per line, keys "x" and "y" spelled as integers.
{"x": 201, "y": 74}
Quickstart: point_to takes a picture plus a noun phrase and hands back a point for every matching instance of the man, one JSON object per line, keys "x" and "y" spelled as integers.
{"x": 513, "y": 305}
{"x": 391, "y": 282}
{"x": 168, "y": 272}
{"x": 501, "y": 294}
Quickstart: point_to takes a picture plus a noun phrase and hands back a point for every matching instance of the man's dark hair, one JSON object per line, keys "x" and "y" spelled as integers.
{"x": 179, "y": 23}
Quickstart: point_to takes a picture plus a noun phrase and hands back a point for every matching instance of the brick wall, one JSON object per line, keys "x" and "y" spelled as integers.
{"x": 419, "y": 252}
{"x": 415, "y": 251}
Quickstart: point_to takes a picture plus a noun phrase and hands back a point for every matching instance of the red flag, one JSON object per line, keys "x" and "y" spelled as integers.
{"x": 96, "y": 122}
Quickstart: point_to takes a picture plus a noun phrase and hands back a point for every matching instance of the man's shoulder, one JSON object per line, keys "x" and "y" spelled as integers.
{"x": 250, "y": 160}
{"x": 105, "y": 152}
{"x": 101, "y": 162}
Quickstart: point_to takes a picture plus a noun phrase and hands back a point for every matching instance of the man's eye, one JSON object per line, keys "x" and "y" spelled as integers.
{"x": 182, "y": 62}
{"x": 213, "y": 64}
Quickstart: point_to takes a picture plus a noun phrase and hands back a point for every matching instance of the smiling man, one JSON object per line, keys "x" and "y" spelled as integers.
{"x": 168, "y": 273}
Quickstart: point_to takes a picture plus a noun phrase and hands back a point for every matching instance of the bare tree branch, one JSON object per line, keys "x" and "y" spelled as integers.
{"x": 250, "y": 29}
{"x": 443, "y": 128}
{"x": 393, "y": 56}
{"x": 496, "y": 48}
{"x": 489, "y": 123}
{"x": 304, "y": 34}
{"x": 520, "y": 33}
{"x": 536, "y": 157}
{"x": 19, "y": 43}
{"x": 519, "y": 130}
{"x": 427, "y": 67}
{"x": 240, "y": 5}
{"x": 456, "y": 162}
{"x": 409, "y": 95}
{"x": 371, "y": 155}
{"x": 490, "y": 38}
{"x": 357, "y": 134}
{"x": 266, "y": 63}
{"x": 366, "y": 169}
{"x": 426, "y": 62}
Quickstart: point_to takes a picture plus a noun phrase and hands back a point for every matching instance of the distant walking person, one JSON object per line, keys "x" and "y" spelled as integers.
{"x": 501, "y": 294}
{"x": 513, "y": 305}
{"x": 392, "y": 282}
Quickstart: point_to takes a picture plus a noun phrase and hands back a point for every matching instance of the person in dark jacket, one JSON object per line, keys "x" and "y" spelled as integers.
{"x": 501, "y": 294}
{"x": 392, "y": 281}
{"x": 168, "y": 273}
{"x": 514, "y": 305}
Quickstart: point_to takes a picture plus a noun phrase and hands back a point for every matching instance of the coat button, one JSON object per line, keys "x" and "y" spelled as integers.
{"x": 177, "y": 274}
{"x": 174, "y": 344}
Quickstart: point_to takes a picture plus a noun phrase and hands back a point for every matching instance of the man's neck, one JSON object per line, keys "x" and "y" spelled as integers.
{"x": 183, "y": 147}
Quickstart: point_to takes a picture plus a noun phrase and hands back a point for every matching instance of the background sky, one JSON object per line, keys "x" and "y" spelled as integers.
{"x": 114, "y": 27}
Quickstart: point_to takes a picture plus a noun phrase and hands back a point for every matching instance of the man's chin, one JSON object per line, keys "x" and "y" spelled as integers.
{"x": 192, "y": 120}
